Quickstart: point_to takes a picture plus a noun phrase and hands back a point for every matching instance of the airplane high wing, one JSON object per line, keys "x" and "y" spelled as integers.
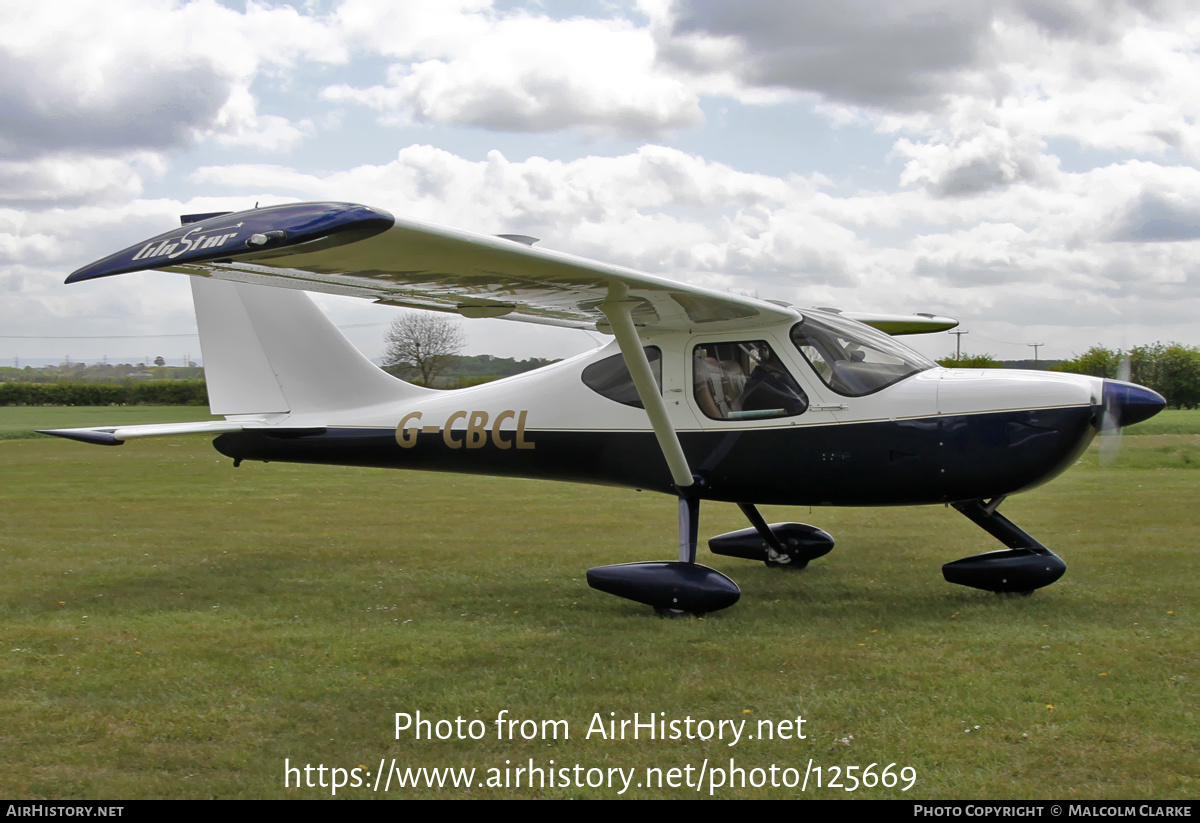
{"x": 341, "y": 248}
{"x": 704, "y": 395}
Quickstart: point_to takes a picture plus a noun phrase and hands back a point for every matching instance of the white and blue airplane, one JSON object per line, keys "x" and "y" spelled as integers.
{"x": 702, "y": 395}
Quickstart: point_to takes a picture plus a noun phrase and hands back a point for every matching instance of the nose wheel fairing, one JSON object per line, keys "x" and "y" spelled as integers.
{"x": 1025, "y": 566}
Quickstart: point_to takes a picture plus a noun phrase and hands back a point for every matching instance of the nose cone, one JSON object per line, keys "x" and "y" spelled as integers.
{"x": 1129, "y": 403}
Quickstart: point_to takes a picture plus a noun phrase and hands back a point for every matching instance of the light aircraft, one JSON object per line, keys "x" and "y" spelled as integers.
{"x": 702, "y": 395}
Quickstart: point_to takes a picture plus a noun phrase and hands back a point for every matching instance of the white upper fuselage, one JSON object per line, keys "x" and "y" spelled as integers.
{"x": 555, "y": 397}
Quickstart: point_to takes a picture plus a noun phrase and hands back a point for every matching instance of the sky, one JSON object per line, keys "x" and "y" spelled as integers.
{"x": 1030, "y": 168}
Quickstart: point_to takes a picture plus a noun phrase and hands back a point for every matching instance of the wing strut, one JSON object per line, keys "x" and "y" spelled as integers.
{"x": 618, "y": 308}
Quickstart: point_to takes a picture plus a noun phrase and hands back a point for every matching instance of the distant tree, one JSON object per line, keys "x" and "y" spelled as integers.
{"x": 971, "y": 361}
{"x": 1096, "y": 361}
{"x": 159, "y": 361}
{"x": 421, "y": 344}
{"x": 1172, "y": 370}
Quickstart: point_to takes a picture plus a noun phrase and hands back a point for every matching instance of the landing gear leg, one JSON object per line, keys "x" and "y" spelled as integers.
{"x": 672, "y": 588}
{"x": 1025, "y": 566}
{"x": 689, "y": 527}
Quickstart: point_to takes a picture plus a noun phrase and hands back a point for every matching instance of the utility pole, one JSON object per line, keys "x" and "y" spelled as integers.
{"x": 1035, "y": 347}
{"x": 958, "y": 343}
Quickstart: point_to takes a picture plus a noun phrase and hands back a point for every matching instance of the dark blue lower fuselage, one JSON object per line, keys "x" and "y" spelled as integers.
{"x": 904, "y": 462}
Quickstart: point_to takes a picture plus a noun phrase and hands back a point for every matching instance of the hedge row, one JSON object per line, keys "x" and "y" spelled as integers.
{"x": 1172, "y": 370}
{"x": 131, "y": 393}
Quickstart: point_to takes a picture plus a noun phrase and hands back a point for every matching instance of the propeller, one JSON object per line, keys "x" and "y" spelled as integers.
{"x": 1110, "y": 423}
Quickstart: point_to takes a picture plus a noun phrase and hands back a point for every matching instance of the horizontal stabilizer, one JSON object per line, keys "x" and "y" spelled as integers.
{"x": 116, "y": 435}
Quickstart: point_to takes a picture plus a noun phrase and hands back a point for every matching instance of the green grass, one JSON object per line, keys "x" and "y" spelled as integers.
{"x": 1169, "y": 421}
{"x": 173, "y": 627}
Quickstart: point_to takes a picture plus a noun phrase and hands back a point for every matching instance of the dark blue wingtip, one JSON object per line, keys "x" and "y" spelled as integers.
{"x": 246, "y": 232}
{"x": 85, "y": 436}
{"x": 1130, "y": 402}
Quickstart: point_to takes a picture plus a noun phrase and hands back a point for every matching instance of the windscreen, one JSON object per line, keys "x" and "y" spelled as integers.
{"x": 851, "y": 358}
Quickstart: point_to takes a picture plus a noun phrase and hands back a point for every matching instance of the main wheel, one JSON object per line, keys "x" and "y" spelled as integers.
{"x": 794, "y": 564}
{"x": 674, "y": 614}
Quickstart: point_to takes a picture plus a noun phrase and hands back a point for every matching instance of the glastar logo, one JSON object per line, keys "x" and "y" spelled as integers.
{"x": 194, "y": 240}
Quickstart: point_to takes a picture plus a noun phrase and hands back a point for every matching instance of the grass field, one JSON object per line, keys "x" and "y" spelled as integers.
{"x": 173, "y": 627}
{"x": 1170, "y": 421}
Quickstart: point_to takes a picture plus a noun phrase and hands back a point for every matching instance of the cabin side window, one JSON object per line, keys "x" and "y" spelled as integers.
{"x": 610, "y": 377}
{"x": 744, "y": 381}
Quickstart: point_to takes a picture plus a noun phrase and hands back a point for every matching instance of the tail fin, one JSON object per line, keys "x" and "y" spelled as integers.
{"x": 271, "y": 350}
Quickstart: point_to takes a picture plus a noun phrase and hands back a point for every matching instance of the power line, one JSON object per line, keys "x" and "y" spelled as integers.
{"x": 997, "y": 340}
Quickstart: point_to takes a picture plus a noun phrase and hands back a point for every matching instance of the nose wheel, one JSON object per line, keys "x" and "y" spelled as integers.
{"x": 1021, "y": 569}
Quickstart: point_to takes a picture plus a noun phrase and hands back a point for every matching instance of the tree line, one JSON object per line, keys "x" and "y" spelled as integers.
{"x": 1171, "y": 369}
{"x": 128, "y": 393}
{"x": 68, "y": 372}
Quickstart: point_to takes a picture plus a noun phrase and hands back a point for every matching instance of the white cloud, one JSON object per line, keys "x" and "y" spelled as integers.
{"x": 65, "y": 178}
{"x": 147, "y": 74}
{"x": 981, "y": 154}
{"x": 531, "y": 74}
{"x": 888, "y": 56}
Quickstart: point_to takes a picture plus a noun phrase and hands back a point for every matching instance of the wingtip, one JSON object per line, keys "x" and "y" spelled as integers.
{"x": 85, "y": 436}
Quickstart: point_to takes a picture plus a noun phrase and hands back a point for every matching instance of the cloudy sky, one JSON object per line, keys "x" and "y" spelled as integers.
{"x": 1029, "y": 167}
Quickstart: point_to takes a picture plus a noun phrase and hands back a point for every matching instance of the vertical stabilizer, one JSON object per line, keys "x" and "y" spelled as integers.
{"x": 272, "y": 351}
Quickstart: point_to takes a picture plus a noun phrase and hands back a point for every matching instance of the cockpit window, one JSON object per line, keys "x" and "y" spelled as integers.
{"x": 744, "y": 381}
{"x": 851, "y": 358}
{"x": 610, "y": 377}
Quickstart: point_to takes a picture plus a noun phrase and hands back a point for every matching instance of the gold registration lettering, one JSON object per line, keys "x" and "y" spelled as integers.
{"x": 500, "y": 442}
{"x": 477, "y": 430}
{"x": 522, "y": 443}
{"x": 406, "y": 437}
{"x": 448, "y": 432}
{"x": 474, "y": 436}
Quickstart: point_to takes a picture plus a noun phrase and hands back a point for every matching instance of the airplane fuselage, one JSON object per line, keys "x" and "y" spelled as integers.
{"x": 936, "y": 435}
